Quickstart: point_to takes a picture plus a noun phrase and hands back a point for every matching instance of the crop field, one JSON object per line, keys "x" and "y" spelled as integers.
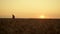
{"x": 29, "y": 26}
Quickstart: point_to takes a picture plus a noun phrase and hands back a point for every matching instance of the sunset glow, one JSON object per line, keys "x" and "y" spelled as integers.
{"x": 42, "y": 16}
{"x": 30, "y": 8}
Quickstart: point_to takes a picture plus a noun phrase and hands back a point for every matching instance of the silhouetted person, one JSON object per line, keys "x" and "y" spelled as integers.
{"x": 13, "y": 17}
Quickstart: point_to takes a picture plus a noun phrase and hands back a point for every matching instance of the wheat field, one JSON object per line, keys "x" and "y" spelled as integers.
{"x": 29, "y": 26}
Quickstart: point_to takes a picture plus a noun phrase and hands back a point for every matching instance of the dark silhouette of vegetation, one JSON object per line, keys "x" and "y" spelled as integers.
{"x": 13, "y": 16}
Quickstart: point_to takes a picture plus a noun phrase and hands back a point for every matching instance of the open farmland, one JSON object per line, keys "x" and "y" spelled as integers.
{"x": 29, "y": 26}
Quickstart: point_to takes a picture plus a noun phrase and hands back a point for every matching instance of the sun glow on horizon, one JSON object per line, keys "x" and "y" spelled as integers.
{"x": 42, "y": 16}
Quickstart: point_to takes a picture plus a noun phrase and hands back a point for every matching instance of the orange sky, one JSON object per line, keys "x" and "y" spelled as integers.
{"x": 30, "y": 8}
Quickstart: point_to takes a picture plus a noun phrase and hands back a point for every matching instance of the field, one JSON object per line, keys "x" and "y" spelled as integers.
{"x": 29, "y": 26}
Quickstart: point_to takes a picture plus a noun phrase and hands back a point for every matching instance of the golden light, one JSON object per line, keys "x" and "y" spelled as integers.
{"x": 42, "y": 16}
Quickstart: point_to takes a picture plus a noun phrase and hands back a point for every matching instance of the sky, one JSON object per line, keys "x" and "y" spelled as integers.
{"x": 30, "y": 8}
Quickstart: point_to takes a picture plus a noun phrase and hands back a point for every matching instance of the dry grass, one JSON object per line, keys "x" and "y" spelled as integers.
{"x": 29, "y": 26}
